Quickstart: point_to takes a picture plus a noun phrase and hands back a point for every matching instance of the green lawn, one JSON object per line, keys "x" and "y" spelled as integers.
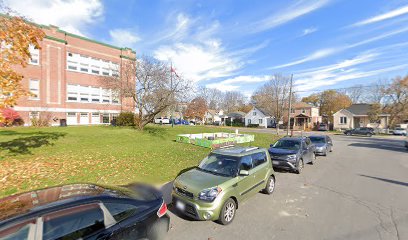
{"x": 32, "y": 158}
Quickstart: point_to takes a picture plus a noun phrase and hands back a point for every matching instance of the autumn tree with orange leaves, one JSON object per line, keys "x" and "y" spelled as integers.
{"x": 16, "y": 35}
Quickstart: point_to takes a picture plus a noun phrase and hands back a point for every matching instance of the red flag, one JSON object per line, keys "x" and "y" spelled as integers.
{"x": 174, "y": 70}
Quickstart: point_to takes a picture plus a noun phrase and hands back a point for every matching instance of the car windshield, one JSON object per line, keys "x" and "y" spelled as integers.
{"x": 287, "y": 144}
{"x": 220, "y": 165}
{"x": 399, "y": 129}
{"x": 317, "y": 139}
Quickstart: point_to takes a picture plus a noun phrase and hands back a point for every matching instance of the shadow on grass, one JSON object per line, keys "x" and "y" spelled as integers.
{"x": 155, "y": 131}
{"x": 24, "y": 145}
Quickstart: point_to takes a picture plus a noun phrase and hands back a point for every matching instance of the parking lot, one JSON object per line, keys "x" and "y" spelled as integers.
{"x": 359, "y": 191}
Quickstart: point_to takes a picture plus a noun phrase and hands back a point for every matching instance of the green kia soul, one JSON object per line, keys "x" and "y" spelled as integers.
{"x": 225, "y": 178}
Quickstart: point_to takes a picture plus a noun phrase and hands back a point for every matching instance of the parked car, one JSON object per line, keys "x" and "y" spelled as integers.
{"x": 323, "y": 127}
{"x": 84, "y": 211}
{"x": 323, "y": 144}
{"x": 162, "y": 120}
{"x": 400, "y": 131}
{"x": 225, "y": 178}
{"x": 292, "y": 153}
{"x": 360, "y": 131}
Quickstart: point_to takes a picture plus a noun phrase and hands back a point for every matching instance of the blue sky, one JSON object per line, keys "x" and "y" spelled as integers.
{"x": 238, "y": 45}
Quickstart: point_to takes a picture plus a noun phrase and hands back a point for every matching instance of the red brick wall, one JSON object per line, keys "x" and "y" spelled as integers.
{"x": 54, "y": 77}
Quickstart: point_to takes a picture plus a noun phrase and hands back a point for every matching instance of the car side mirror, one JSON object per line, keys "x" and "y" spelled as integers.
{"x": 271, "y": 145}
{"x": 243, "y": 173}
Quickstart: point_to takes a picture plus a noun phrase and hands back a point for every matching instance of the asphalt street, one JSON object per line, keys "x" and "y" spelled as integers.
{"x": 360, "y": 191}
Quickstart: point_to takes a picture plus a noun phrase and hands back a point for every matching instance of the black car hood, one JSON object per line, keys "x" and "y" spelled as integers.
{"x": 281, "y": 151}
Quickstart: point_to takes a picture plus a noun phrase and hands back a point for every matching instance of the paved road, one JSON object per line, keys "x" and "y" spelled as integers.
{"x": 360, "y": 191}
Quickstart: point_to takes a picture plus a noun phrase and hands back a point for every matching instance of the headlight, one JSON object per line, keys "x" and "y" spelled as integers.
{"x": 291, "y": 158}
{"x": 209, "y": 194}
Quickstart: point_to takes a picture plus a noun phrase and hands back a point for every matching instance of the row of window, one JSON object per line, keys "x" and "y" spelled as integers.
{"x": 86, "y": 64}
{"x": 252, "y": 161}
{"x": 78, "y": 93}
{"x": 260, "y": 121}
{"x": 81, "y": 63}
{"x": 72, "y": 117}
{"x": 87, "y": 94}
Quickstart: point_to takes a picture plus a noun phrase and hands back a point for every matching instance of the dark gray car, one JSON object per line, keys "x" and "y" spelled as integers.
{"x": 292, "y": 153}
{"x": 323, "y": 144}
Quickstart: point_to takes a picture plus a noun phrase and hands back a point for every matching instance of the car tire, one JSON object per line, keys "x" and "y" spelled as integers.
{"x": 270, "y": 186}
{"x": 228, "y": 212}
{"x": 348, "y": 134}
{"x": 300, "y": 166}
{"x": 313, "y": 158}
{"x": 369, "y": 134}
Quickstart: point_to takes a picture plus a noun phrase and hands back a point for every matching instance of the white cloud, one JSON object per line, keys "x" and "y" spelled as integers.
{"x": 392, "y": 14}
{"x": 288, "y": 14}
{"x": 346, "y": 70}
{"x": 322, "y": 53}
{"x": 72, "y": 15}
{"x": 123, "y": 37}
{"x": 177, "y": 32}
{"x": 238, "y": 82}
{"x": 197, "y": 53}
{"x": 308, "y": 31}
{"x": 198, "y": 62}
{"x": 314, "y": 56}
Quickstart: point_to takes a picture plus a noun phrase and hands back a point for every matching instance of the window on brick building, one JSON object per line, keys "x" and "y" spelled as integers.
{"x": 34, "y": 89}
{"x": 91, "y": 65}
{"x": 35, "y": 55}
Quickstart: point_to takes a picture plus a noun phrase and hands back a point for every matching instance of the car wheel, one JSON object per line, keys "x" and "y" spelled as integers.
{"x": 270, "y": 186}
{"x": 313, "y": 158}
{"x": 227, "y": 212}
{"x": 300, "y": 166}
{"x": 348, "y": 134}
{"x": 369, "y": 134}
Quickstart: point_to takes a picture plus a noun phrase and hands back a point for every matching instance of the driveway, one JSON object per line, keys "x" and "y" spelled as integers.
{"x": 360, "y": 191}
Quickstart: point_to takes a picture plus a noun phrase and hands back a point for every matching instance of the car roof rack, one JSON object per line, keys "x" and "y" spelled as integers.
{"x": 250, "y": 149}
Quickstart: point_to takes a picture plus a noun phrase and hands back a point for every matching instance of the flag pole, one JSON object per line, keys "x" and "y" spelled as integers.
{"x": 171, "y": 86}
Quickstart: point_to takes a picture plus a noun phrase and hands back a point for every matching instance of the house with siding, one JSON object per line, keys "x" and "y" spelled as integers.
{"x": 259, "y": 116}
{"x": 357, "y": 116}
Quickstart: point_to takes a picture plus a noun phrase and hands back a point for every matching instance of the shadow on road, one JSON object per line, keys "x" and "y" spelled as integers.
{"x": 405, "y": 184}
{"x": 24, "y": 145}
{"x": 381, "y": 145}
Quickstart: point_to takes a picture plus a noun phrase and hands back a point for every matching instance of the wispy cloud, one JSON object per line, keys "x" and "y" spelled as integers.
{"x": 238, "y": 82}
{"x": 72, "y": 16}
{"x": 322, "y": 53}
{"x": 197, "y": 52}
{"x": 308, "y": 31}
{"x": 392, "y": 14}
{"x": 123, "y": 37}
{"x": 314, "y": 56}
{"x": 288, "y": 14}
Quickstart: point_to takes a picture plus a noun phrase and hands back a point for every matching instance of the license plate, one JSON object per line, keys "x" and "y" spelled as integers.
{"x": 275, "y": 162}
{"x": 180, "y": 205}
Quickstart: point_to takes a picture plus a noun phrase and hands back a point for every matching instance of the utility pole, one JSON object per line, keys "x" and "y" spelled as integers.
{"x": 290, "y": 104}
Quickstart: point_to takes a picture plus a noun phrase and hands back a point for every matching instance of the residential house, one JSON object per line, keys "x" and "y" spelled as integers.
{"x": 357, "y": 116}
{"x": 233, "y": 117}
{"x": 212, "y": 116}
{"x": 304, "y": 116}
{"x": 260, "y": 117}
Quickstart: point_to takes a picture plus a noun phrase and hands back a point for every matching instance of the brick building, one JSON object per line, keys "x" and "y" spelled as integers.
{"x": 65, "y": 77}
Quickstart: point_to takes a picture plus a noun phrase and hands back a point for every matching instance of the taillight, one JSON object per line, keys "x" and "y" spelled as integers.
{"x": 162, "y": 210}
